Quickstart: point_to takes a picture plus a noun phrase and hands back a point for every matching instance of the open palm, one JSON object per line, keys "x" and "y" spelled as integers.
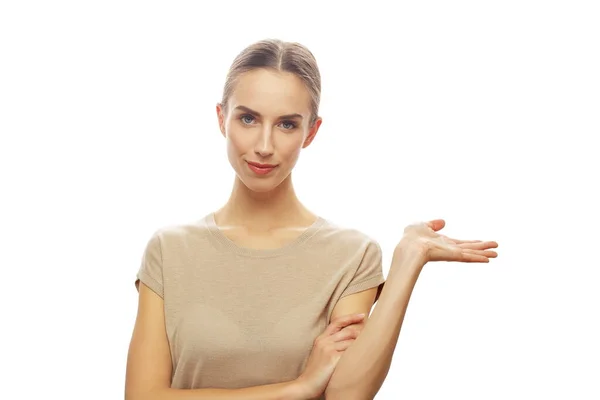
{"x": 437, "y": 247}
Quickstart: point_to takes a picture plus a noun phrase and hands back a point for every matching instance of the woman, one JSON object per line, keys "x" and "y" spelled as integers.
{"x": 262, "y": 298}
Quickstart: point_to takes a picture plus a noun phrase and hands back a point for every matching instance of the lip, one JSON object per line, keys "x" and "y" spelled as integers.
{"x": 260, "y": 169}
{"x": 259, "y": 165}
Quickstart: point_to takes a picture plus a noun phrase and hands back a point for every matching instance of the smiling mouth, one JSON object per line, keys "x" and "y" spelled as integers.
{"x": 259, "y": 165}
{"x": 260, "y": 169}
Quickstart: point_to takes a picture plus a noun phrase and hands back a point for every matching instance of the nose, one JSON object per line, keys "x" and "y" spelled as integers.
{"x": 264, "y": 144}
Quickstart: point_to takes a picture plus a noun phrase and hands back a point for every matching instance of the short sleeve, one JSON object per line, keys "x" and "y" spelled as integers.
{"x": 369, "y": 273}
{"x": 150, "y": 271}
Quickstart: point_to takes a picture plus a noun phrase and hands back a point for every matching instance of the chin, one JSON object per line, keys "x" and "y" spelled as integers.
{"x": 259, "y": 185}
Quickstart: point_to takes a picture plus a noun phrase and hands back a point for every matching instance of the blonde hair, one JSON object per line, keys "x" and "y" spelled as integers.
{"x": 280, "y": 56}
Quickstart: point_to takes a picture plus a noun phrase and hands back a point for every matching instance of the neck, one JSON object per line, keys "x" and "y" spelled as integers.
{"x": 277, "y": 208}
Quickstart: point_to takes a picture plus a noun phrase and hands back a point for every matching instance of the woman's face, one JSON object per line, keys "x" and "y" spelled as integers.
{"x": 266, "y": 124}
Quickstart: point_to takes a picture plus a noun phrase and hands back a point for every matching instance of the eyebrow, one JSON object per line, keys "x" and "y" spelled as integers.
{"x": 248, "y": 110}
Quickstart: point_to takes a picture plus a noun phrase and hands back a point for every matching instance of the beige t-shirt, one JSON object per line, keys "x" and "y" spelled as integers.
{"x": 238, "y": 317}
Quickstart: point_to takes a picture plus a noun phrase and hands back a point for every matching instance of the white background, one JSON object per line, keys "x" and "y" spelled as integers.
{"x": 485, "y": 114}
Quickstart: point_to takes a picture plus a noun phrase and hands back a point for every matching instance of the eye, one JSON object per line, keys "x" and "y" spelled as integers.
{"x": 288, "y": 125}
{"x": 247, "y": 119}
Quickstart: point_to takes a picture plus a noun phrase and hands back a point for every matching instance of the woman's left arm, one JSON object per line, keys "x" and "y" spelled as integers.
{"x": 363, "y": 367}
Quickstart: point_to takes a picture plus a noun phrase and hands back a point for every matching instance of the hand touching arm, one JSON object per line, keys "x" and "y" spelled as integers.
{"x": 363, "y": 368}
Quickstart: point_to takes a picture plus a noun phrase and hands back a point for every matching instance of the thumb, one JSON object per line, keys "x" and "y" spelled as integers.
{"x": 436, "y": 224}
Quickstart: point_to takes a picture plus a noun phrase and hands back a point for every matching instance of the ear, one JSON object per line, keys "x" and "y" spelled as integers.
{"x": 312, "y": 132}
{"x": 221, "y": 118}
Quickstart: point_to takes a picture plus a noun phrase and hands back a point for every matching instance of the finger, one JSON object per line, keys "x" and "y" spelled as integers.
{"x": 337, "y": 324}
{"x": 343, "y": 345}
{"x": 466, "y": 257}
{"x": 489, "y": 254}
{"x": 479, "y": 245}
{"x": 346, "y": 333}
{"x": 484, "y": 253}
{"x": 457, "y": 241}
{"x": 477, "y": 255}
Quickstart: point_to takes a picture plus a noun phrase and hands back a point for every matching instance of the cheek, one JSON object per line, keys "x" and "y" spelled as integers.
{"x": 291, "y": 150}
{"x": 235, "y": 148}
{"x": 237, "y": 142}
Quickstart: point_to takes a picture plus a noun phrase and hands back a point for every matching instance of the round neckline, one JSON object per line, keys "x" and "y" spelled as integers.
{"x": 230, "y": 245}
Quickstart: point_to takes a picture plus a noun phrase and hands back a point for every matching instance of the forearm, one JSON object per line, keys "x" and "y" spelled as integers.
{"x": 363, "y": 367}
{"x": 278, "y": 391}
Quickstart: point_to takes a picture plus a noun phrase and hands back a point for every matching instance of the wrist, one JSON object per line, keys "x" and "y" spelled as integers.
{"x": 409, "y": 255}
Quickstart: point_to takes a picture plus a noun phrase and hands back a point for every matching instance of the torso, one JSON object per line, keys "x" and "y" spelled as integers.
{"x": 244, "y": 309}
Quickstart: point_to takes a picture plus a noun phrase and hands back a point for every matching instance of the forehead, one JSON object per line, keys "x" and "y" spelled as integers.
{"x": 271, "y": 93}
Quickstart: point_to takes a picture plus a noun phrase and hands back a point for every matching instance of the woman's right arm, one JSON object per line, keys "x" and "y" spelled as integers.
{"x": 149, "y": 368}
